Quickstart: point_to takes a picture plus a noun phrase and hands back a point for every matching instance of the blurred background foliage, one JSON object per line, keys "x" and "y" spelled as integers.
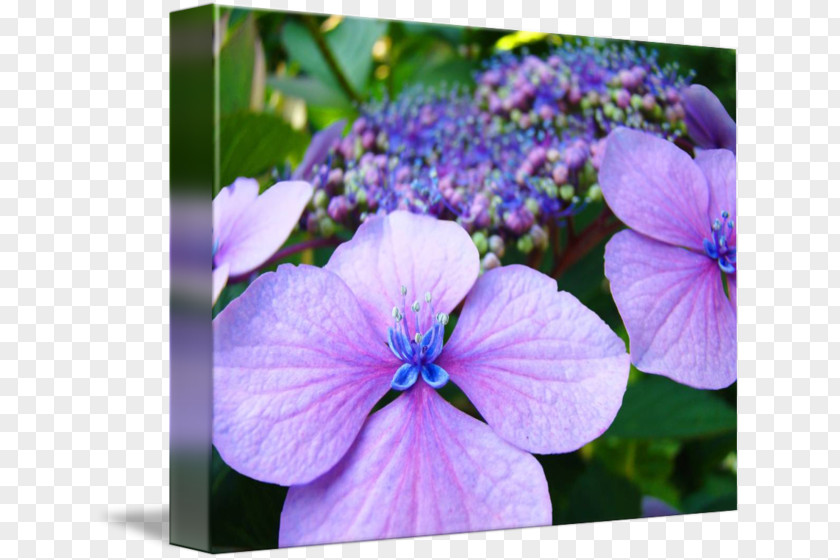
{"x": 283, "y": 77}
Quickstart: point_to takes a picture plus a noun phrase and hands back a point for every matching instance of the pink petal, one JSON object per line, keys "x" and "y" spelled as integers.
{"x": 545, "y": 372}
{"x": 681, "y": 324}
{"x": 263, "y": 226}
{"x": 296, "y": 371}
{"x": 719, "y": 168}
{"x": 655, "y": 188}
{"x": 419, "y": 467}
{"x": 318, "y": 149}
{"x": 419, "y": 252}
{"x": 230, "y": 203}
{"x": 220, "y": 278}
{"x": 707, "y": 121}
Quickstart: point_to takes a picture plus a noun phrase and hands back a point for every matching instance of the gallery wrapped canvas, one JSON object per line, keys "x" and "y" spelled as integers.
{"x": 431, "y": 279}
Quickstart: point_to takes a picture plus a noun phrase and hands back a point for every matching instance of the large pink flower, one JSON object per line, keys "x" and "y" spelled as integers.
{"x": 667, "y": 274}
{"x": 305, "y": 353}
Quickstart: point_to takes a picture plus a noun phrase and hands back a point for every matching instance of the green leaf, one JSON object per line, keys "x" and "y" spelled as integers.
{"x": 352, "y": 45}
{"x": 432, "y": 63}
{"x": 252, "y": 143}
{"x": 245, "y": 513}
{"x": 719, "y": 493}
{"x": 302, "y": 49}
{"x": 656, "y": 407}
{"x": 648, "y": 463}
{"x": 599, "y": 495}
{"x": 236, "y": 67}
{"x": 561, "y": 472}
{"x": 311, "y": 90}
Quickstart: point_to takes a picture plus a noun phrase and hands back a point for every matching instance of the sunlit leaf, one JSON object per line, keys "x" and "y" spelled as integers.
{"x": 311, "y": 90}
{"x": 236, "y": 66}
{"x": 252, "y": 143}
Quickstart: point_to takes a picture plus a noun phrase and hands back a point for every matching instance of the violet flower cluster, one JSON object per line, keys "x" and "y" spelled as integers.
{"x": 508, "y": 161}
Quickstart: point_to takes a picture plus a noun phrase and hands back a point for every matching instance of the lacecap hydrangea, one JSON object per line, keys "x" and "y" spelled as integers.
{"x": 508, "y": 158}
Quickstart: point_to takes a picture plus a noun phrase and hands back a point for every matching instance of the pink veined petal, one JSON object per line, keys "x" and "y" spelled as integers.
{"x": 230, "y": 203}
{"x": 419, "y": 467}
{"x": 655, "y": 188}
{"x": 719, "y": 168}
{"x": 318, "y": 149}
{"x": 263, "y": 226}
{"x": 419, "y": 252}
{"x": 296, "y": 371}
{"x": 672, "y": 301}
{"x": 708, "y": 123}
{"x": 220, "y": 278}
{"x": 546, "y": 373}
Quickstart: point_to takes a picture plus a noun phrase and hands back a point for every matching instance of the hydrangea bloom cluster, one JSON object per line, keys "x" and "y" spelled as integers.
{"x": 508, "y": 160}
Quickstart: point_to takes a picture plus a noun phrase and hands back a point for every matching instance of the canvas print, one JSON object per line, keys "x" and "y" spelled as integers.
{"x": 465, "y": 279}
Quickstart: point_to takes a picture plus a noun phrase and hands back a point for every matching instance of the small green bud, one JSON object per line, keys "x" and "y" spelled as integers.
{"x": 480, "y": 240}
{"x": 636, "y": 101}
{"x": 525, "y": 244}
{"x": 320, "y": 199}
{"x": 594, "y": 193}
{"x": 361, "y": 197}
{"x": 327, "y": 226}
{"x": 657, "y": 112}
{"x": 567, "y": 191}
{"x": 533, "y": 206}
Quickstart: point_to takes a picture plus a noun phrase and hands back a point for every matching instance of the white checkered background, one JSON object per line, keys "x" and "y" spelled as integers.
{"x": 84, "y": 221}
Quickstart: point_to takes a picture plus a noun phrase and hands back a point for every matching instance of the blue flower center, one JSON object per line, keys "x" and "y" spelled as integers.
{"x": 718, "y": 247}
{"x": 417, "y": 340}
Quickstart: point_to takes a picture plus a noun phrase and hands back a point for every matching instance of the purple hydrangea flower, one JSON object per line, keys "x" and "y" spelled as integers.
{"x": 654, "y": 507}
{"x": 249, "y": 227}
{"x": 708, "y": 123}
{"x": 673, "y": 275}
{"x": 304, "y": 354}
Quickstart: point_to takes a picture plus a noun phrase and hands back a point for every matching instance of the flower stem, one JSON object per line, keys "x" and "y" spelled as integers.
{"x": 324, "y": 48}
{"x": 286, "y": 252}
{"x": 580, "y": 244}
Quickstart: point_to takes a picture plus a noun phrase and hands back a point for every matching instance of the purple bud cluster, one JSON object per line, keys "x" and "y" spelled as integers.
{"x": 509, "y": 160}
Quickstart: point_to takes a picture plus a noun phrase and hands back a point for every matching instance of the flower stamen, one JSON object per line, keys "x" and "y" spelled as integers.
{"x": 718, "y": 247}
{"x": 417, "y": 351}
